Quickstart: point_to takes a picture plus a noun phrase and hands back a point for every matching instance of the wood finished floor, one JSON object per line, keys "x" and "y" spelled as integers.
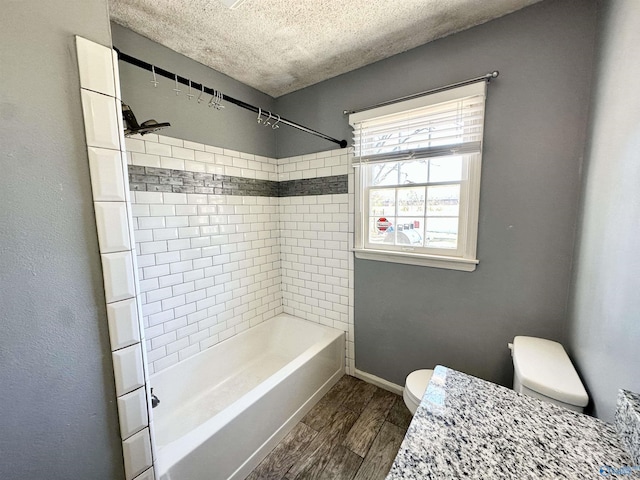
{"x": 353, "y": 433}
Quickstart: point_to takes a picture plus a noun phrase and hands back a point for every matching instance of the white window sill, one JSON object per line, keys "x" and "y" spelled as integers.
{"x": 437, "y": 261}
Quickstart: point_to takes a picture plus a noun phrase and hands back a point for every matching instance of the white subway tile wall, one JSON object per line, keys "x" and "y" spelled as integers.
{"x": 213, "y": 265}
{"x": 209, "y": 268}
{"x": 316, "y": 234}
{"x": 317, "y": 266}
{"x": 173, "y": 153}
{"x": 100, "y": 92}
{"x": 323, "y": 164}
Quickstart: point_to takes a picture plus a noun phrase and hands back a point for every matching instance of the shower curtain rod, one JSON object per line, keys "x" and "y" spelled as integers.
{"x": 483, "y": 78}
{"x": 199, "y": 87}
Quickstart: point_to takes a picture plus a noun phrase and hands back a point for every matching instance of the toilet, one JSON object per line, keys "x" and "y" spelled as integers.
{"x": 542, "y": 369}
{"x": 414, "y": 388}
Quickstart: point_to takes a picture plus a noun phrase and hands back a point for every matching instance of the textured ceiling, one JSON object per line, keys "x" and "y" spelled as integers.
{"x": 279, "y": 46}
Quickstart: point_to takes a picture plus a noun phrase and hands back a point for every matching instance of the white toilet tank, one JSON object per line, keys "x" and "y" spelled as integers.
{"x": 542, "y": 369}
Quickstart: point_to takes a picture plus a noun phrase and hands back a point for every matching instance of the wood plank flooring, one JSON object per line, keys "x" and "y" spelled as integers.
{"x": 352, "y": 433}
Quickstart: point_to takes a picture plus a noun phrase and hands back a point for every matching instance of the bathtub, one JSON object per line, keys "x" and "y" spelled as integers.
{"x": 224, "y": 409}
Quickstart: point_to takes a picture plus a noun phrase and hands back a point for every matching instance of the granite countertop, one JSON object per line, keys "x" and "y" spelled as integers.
{"x": 466, "y": 427}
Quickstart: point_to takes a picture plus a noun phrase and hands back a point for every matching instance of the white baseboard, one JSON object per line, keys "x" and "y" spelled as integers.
{"x": 378, "y": 382}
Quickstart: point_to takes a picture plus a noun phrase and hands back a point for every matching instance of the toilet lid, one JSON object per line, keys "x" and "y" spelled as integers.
{"x": 544, "y": 367}
{"x": 417, "y": 383}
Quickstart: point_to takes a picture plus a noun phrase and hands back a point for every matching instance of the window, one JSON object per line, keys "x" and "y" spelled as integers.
{"x": 418, "y": 169}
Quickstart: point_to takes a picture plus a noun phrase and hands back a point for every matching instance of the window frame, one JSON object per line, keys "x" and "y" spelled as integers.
{"x": 464, "y": 257}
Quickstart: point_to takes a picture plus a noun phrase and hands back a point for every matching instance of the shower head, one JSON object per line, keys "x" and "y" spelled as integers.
{"x": 131, "y": 126}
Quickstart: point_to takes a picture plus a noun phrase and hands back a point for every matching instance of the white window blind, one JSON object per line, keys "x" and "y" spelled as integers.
{"x": 445, "y": 123}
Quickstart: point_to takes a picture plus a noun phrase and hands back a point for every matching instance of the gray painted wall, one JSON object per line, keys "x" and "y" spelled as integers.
{"x": 604, "y": 328}
{"x": 233, "y": 127}
{"x": 57, "y": 398}
{"x": 410, "y": 317}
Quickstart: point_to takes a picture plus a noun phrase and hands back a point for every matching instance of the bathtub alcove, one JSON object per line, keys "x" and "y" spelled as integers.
{"x": 167, "y": 248}
{"x": 222, "y": 410}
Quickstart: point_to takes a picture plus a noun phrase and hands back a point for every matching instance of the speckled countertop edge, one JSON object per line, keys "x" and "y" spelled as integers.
{"x": 466, "y": 427}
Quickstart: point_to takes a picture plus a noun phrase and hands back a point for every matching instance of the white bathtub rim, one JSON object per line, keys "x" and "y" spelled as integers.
{"x": 258, "y": 391}
{"x": 197, "y": 361}
{"x": 173, "y": 452}
{"x": 244, "y": 333}
{"x": 215, "y": 423}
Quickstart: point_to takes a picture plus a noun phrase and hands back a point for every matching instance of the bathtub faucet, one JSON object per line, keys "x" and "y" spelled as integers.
{"x": 154, "y": 400}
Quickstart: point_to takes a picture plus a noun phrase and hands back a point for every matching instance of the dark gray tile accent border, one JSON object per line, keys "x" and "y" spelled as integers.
{"x": 314, "y": 186}
{"x": 151, "y": 179}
